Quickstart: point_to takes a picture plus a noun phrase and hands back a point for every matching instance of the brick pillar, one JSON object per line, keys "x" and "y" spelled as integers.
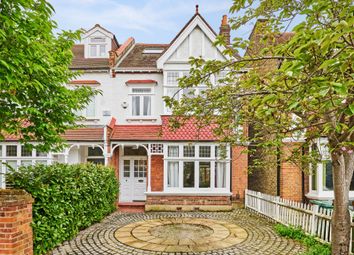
{"x": 290, "y": 175}
{"x": 239, "y": 172}
{"x": 15, "y": 222}
{"x": 156, "y": 173}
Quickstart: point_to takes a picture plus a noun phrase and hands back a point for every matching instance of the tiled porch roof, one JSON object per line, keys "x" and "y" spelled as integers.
{"x": 136, "y": 132}
{"x": 84, "y": 134}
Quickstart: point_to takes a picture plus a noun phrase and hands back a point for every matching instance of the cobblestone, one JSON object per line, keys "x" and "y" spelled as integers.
{"x": 101, "y": 238}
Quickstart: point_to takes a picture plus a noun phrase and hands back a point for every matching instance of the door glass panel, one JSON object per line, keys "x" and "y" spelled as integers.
{"x": 139, "y": 168}
{"x": 126, "y": 168}
{"x": 188, "y": 174}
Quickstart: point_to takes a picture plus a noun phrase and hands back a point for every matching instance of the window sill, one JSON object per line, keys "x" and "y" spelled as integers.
{"x": 141, "y": 119}
{"x": 189, "y": 193}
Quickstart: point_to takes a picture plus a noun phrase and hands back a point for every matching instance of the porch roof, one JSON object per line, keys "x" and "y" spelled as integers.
{"x": 84, "y": 134}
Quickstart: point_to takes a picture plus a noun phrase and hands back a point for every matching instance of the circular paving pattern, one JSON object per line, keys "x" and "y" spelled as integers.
{"x": 181, "y": 235}
{"x": 101, "y": 238}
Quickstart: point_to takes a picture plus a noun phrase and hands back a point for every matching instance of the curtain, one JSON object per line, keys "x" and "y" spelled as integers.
{"x": 172, "y": 175}
{"x": 220, "y": 175}
{"x": 147, "y": 105}
{"x": 136, "y": 106}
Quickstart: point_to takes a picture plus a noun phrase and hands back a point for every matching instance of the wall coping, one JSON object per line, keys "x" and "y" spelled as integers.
{"x": 15, "y": 195}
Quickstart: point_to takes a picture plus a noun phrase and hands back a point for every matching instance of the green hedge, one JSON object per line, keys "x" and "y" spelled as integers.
{"x": 68, "y": 198}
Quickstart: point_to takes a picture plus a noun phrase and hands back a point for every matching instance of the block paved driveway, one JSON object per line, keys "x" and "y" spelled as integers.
{"x": 258, "y": 236}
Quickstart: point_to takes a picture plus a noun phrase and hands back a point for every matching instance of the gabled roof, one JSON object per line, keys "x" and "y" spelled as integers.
{"x": 196, "y": 20}
{"x": 79, "y": 61}
{"x": 106, "y": 32}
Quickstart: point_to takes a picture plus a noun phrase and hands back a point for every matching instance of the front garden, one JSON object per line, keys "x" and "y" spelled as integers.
{"x": 68, "y": 198}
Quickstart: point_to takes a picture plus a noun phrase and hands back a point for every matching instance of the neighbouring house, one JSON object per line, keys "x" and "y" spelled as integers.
{"x": 127, "y": 127}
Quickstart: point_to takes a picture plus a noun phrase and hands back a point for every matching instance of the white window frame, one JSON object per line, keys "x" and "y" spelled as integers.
{"x": 88, "y": 157}
{"x": 320, "y": 193}
{"x": 19, "y": 158}
{"x": 196, "y": 159}
{"x": 97, "y": 46}
{"x": 141, "y": 98}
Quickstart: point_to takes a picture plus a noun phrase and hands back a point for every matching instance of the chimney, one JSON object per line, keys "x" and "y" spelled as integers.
{"x": 225, "y": 30}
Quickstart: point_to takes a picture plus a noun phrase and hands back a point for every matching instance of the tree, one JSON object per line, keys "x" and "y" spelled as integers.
{"x": 34, "y": 66}
{"x": 295, "y": 84}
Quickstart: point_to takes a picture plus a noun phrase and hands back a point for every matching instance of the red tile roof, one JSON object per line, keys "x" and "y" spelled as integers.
{"x": 136, "y": 132}
{"x": 188, "y": 132}
{"x": 86, "y": 82}
{"x": 84, "y": 134}
{"x": 140, "y": 81}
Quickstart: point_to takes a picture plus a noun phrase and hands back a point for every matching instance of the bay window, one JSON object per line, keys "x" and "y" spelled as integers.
{"x": 196, "y": 167}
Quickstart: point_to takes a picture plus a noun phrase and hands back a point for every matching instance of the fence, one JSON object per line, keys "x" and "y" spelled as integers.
{"x": 312, "y": 219}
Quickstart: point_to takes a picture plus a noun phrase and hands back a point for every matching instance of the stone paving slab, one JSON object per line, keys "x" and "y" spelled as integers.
{"x": 246, "y": 234}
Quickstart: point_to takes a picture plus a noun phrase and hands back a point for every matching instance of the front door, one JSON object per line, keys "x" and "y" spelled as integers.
{"x": 133, "y": 179}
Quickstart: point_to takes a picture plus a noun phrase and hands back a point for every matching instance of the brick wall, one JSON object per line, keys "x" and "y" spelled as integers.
{"x": 290, "y": 175}
{"x": 156, "y": 173}
{"x": 239, "y": 172}
{"x": 15, "y": 222}
{"x": 188, "y": 200}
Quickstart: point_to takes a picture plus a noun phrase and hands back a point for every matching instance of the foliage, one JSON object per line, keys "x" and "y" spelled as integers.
{"x": 34, "y": 65}
{"x": 67, "y": 198}
{"x": 288, "y": 85}
{"x": 314, "y": 247}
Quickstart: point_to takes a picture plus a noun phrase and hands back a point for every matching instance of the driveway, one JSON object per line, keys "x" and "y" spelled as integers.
{"x": 236, "y": 232}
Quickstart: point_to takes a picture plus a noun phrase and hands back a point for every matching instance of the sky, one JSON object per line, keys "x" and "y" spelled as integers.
{"x": 148, "y": 21}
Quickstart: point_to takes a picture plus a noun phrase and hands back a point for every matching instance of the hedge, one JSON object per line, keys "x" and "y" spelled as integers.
{"x": 68, "y": 198}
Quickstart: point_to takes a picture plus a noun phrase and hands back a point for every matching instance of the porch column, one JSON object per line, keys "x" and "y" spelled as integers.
{"x": 149, "y": 171}
{"x": 66, "y": 156}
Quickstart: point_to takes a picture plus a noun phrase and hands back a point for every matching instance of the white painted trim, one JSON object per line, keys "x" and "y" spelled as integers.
{"x": 167, "y": 193}
{"x": 197, "y": 21}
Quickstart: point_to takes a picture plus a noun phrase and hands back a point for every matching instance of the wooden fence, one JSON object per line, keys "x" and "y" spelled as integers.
{"x": 312, "y": 219}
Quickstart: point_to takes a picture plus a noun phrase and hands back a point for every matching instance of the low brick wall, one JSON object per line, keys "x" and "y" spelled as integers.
{"x": 15, "y": 222}
{"x": 188, "y": 203}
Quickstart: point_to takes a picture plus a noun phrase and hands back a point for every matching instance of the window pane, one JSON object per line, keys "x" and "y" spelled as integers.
{"x": 97, "y": 161}
{"x": 147, "y": 106}
{"x": 98, "y": 39}
{"x": 173, "y": 151}
{"x": 90, "y": 109}
{"x": 220, "y": 175}
{"x": 136, "y": 106}
{"x": 12, "y": 164}
{"x": 11, "y": 150}
{"x": 41, "y": 154}
{"x": 25, "y": 152}
{"x": 189, "y": 92}
{"x": 314, "y": 177}
{"x": 26, "y": 162}
{"x": 204, "y": 151}
{"x": 172, "y": 174}
{"x": 102, "y": 50}
{"x": 42, "y": 162}
{"x": 188, "y": 151}
{"x": 95, "y": 152}
{"x": 141, "y": 90}
{"x": 327, "y": 176}
{"x": 132, "y": 151}
{"x": 93, "y": 52}
{"x": 172, "y": 78}
{"x": 140, "y": 168}
{"x": 204, "y": 174}
{"x": 188, "y": 174}
{"x": 126, "y": 169}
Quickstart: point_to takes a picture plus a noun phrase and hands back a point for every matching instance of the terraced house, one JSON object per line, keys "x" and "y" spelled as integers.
{"x": 127, "y": 126}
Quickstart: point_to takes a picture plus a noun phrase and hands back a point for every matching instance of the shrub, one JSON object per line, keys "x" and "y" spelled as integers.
{"x": 68, "y": 198}
{"x": 296, "y": 233}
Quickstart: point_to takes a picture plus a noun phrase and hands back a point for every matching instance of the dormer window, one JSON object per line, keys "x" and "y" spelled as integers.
{"x": 98, "y": 47}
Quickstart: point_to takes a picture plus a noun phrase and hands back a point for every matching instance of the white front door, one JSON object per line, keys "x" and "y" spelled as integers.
{"x": 133, "y": 179}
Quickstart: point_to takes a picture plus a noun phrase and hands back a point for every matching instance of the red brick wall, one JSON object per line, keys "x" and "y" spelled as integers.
{"x": 15, "y": 222}
{"x": 239, "y": 172}
{"x": 290, "y": 175}
{"x": 114, "y": 161}
{"x": 188, "y": 200}
{"x": 156, "y": 173}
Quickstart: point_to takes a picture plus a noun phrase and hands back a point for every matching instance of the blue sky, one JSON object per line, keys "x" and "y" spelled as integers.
{"x": 148, "y": 21}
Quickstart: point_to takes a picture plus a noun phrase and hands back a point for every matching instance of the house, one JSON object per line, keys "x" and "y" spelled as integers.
{"x": 127, "y": 127}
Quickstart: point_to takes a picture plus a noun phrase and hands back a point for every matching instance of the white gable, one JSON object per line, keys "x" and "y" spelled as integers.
{"x": 194, "y": 41}
{"x": 98, "y": 42}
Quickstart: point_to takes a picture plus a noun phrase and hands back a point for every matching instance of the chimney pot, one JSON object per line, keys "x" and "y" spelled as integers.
{"x": 197, "y": 9}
